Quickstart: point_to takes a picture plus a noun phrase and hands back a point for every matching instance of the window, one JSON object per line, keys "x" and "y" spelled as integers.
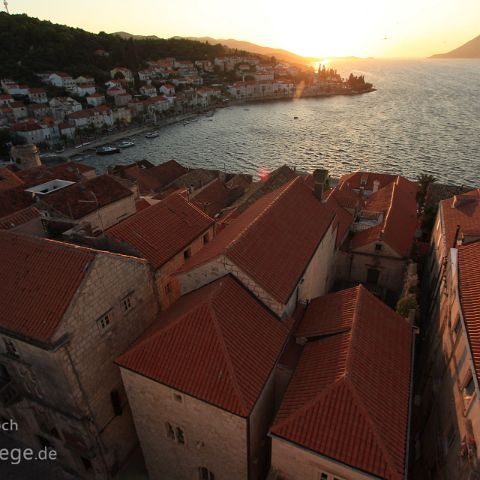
{"x": 205, "y": 474}
{"x": 323, "y": 476}
{"x": 378, "y": 247}
{"x": 104, "y": 322}
{"x": 206, "y": 239}
{"x": 116, "y": 402}
{"x": 187, "y": 253}
{"x": 180, "y": 436}
{"x": 10, "y": 348}
{"x": 170, "y": 431}
{"x": 127, "y": 303}
{"x": 178, "y": 398}
{"x": 372, "y": 276}
{"x": 469, "y": 387}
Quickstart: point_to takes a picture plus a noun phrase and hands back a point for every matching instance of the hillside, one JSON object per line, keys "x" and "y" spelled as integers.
{"x": 470, "y": 49}
{"x": 30, "y": 45}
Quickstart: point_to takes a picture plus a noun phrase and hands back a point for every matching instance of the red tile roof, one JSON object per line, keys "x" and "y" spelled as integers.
{"x": 400, "y": 219}
{"x": 162, "y": 230}
{"x": 213, "y": 198}
{"x": 71, "y": 171}
{"x": 349, "y": 396}
{"x": 13, "y": 200}
{"x": 218, "y": 344}
{"x": 18, "y": 218}
{"x": 77, "y": 200}
{"x": 8, "y": 179}
{"x": 38, "y": 280}
{"x": 469, "y": 289}
{"x": 273, "y": 240}
{"x": 466, "y": 214}
{"x": 366, "y": 179}
{"x": 346, "y": 197}
{"x": 155, "y": 178}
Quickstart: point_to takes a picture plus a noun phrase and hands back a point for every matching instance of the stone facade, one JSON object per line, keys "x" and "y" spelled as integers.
{"x": 70, "y": 392}
{"x": 449, "y": 429}
{"x": 212, "y": 438}
{"x": 290, "y": 462}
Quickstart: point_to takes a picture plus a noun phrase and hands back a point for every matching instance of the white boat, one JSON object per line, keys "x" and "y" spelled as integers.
{"x": 126, "y": 144}
{"x": 107, "y": 150}
{"x": 152, "y": 135}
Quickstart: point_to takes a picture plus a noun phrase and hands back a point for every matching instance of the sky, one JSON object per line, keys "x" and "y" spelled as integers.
{"x": 315, "y": 28}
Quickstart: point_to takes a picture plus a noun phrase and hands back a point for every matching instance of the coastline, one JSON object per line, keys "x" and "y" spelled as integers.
{"x": 73, "y": 152}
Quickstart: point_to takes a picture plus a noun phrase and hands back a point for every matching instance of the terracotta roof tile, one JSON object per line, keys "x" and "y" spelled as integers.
{"x": 162, "y": 230}
{"x": 71, "y": 171}
{"x": 213, "y": 198}
{"x": 38, "y": 280}
{"x": 13, "y": 200}
{"x": 8, "y": 179}
{"x": 366, "y": 179}
{"x": 465, "y": 213}
{"x": 469, "y": 286}
{"x": 273, "y": 240}
{"x": 400, "y": 218}
{"x": 18, "y": 218}
{"x": 218, "y": 344}
{"x": 349, "y": 396}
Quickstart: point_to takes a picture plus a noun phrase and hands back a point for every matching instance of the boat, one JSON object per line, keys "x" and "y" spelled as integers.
{"x": 295, "y": 118}
{"x": 152, "y": 135}
{"x": 107, "y": 150}
{"x": 126, "y": 144}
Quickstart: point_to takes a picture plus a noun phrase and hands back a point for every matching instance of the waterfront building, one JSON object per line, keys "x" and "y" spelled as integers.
{"x": 63, "y": 106}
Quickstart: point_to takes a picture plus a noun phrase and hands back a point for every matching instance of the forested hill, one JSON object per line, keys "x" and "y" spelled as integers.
{"x": 29, "y": 45}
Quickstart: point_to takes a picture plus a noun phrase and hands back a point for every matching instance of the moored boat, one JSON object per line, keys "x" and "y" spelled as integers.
{"x": 107, "y": 150}
{"x": 126, "y": 144}
{"x": 152, "y": 134}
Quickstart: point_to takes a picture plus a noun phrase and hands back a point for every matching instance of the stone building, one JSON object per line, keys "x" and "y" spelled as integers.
{"x": 201, "y": 385}
{"x": 100, "y": 202}
{"x": 382, "y": 238}
{"x": 66, "y": 313}
{"x": 281, "y": 248}
{"x": 167, "y": 234}
{"x": 346, "y": 410}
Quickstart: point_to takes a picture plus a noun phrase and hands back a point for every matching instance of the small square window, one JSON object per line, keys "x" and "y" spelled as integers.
{"x": 168, "y": 288}
{"x": 180, "y": 436}
{"x": 187, "y": 254}
{"x": 378, "y": 247}
{"x": 104, "y": 322}
{"x": 178, "y": 398}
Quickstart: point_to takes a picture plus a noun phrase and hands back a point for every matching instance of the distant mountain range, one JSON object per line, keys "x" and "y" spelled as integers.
{"x": 470, "y": 49}
{"x": 278, "y": 53}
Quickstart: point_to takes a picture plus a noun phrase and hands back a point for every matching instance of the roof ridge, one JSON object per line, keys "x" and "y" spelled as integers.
{"x": 375, "y": 433}
{"x": 228, "y": 360}
{"x": 310, "y": 403}
{"x": 263, "y": 212}
{"x": 356, "y": 309}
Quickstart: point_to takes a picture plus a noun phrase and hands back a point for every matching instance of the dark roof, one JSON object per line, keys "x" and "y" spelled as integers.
{"x": 71, "y": 171}
{"x": 81, "y": 199}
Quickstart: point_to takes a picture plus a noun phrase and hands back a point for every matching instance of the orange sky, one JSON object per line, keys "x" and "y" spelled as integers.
{"x": 378, "y": 28}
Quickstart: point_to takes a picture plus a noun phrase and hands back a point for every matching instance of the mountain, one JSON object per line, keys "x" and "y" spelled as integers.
{"x": 128, "y": 36}
{"x": 470, "y": 49}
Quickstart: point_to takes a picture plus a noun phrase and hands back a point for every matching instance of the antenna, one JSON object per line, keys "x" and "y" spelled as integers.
{"x": 6, "y": 6}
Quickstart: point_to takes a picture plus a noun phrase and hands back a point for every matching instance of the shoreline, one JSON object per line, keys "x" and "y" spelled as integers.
{"x": 73, "y": 152}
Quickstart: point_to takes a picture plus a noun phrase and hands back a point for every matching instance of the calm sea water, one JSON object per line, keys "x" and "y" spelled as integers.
{"x": 424, "y": 117}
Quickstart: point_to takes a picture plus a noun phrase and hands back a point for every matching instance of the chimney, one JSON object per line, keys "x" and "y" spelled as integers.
{"x": 320, "y": 177}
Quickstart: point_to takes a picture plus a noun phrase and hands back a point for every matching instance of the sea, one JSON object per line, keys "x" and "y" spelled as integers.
{"x": 424, "y": 117}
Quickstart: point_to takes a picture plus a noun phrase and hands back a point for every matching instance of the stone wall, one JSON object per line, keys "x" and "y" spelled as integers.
{"x": 213, "y": 438}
